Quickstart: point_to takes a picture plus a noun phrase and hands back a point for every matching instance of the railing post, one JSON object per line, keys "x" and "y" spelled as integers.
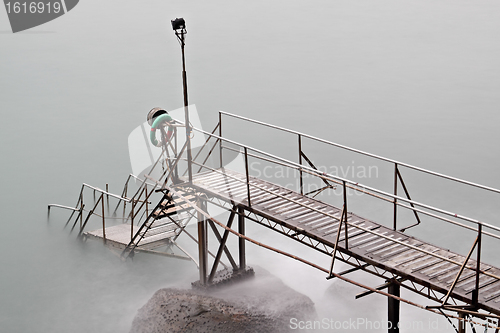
{"x": 81, "y": 209}
{"x": 146, "y": 193}
{"x": 395, "y": 194}
{"x": 103, "y": 219}
{"x": 300, "y": 162}
{"x": 220, "y": 140}
{"x": 124, "y": 202}
{"x": 475, "y": 293}
{"x": 344, "y": 217}
{"x": 248, "y": 177}
{"x": 132, "y": 221}
{"x": 176, "y": 170}
{"x": 107, "y": 195}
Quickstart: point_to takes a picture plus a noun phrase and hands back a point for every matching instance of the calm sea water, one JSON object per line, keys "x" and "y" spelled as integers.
{"x": 417, "y": 81}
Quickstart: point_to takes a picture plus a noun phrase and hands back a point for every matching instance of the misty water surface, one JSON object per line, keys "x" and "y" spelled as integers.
{"x": 416, "y": 81}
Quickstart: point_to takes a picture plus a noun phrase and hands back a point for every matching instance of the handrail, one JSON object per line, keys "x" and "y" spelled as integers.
{"x": 388, "y": 200}
{"x": 333, "y": 177}
{"x": 413, "y": 247}
{"x": 108, "y": 193}
{"x": 492, "y": 189}
{"x": 63, "y": 207}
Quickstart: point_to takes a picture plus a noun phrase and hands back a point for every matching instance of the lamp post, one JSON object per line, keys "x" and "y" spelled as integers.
{"x": 179, "y": 26}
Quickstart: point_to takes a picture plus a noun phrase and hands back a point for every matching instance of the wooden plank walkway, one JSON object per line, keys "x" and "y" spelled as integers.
{"x": 159, "y": 234}
{"x": 119, "y": 235}
{"x": 299, "y": 212}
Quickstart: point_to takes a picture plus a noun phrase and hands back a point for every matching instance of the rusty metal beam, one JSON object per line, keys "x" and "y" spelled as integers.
{"x": 460, "y": 272}
{"x": 241, "y": 240}
{"x": 222, "y": 247}
{"x": 202, "y": 243}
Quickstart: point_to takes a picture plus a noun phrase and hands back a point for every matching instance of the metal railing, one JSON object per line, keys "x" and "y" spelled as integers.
{"x": 393, "y": 198}
{"x": 330, "y": 181}
{"x": 135, "y": 208}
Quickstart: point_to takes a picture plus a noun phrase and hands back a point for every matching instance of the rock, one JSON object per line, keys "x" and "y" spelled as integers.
{"x": 260, "y": 304}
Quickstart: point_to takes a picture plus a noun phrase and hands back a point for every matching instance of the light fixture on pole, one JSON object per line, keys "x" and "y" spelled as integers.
{"x": 179, "y": 26}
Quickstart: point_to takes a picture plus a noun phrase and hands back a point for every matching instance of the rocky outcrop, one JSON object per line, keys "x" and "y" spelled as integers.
{"x": 260, "y": 304}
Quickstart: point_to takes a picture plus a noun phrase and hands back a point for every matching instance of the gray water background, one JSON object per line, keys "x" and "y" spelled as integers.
{"x": 416, "y": 81}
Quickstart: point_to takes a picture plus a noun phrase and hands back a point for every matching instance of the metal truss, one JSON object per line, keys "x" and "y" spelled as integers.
{"x": 452, "y": 304}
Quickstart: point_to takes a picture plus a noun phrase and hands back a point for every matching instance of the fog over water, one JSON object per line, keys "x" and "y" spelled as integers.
{"x": 416, "y": 81}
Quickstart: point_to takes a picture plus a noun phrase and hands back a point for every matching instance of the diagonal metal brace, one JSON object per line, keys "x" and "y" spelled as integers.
{"x": 314, "y": 167}
{"x": 460, "y": 272}
{"x": 330, "y": 275}
{"x": 382, "y": 286}
{"x": 222, "y": 240}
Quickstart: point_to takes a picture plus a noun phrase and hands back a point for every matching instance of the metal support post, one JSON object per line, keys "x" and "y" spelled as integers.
{"x": 107, "y": 195}
{"x": 393, "y": 308}
{"x": 103, "y": 219}
{"x": 220, "y": 140}
{"x": 124, "y": 202}
{"x": 81, "y": 209}
{"x": 462, "y": 327}
{"x": 247, "y": 177}
{"x": 202, "y": 243}
{"x": 395, "y": 194}
{"x": 146, "y": 198}
{"x": 475, "y": 292}
{"x": 132, "y": 221}
{"x": 241, "y": 241}
{"x": 345, "y": 215}
{"x": 300, "y": 162}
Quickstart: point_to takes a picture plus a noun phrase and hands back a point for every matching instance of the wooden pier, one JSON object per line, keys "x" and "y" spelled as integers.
{"x": 409, "y": 258}
{"x": 459, "y": 285}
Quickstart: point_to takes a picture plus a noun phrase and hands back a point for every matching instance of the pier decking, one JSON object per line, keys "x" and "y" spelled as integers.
{"x": 382, "y": 247}
{"x": 463, "y": 286}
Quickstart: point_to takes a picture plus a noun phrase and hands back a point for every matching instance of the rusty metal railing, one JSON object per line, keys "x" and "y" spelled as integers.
{"x": 393, "y": 198}
{"x": 328, "y": 179}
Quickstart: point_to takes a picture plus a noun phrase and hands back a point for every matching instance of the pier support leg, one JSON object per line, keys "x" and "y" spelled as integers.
{"x": 241, "y": 241}
{"x": 393, "y": 308}
{"x": 202, "y": 244}
{"x": 462, "y": 328}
